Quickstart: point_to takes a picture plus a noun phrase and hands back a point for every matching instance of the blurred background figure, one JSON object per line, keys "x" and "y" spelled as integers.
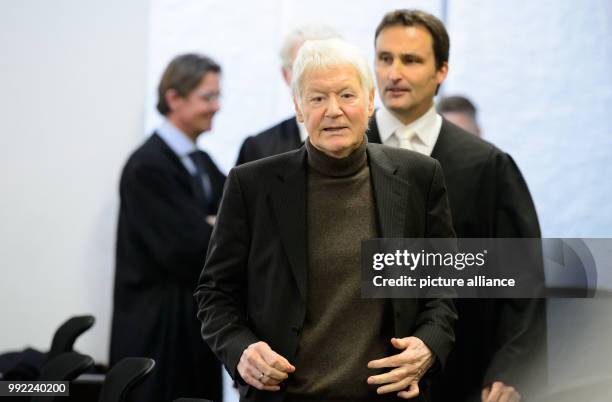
{"x": 169, "y": 192}
{"x": 460, "y": 111}
{"x": 288, "y": 134}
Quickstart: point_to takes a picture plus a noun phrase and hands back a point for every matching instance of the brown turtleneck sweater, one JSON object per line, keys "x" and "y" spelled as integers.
{"x": 342, "y": 331}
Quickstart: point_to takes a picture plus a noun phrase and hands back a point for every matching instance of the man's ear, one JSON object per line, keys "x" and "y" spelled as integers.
{"x": 442, "y": 73}
{"x": 298, "y": 112}
{"x": 371, "y": 96}
{"x": 172, "y": 99}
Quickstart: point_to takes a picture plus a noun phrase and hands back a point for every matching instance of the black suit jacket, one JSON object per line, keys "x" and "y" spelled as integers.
{"x": 253, "y": 286}
{"x": 283, "y": 137}
{"x": 496, "y": 339}
{"x": 161, "y": 246}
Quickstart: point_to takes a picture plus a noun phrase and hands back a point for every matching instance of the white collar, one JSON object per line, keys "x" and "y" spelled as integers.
{"x": 176, "y": 139}
{"x": 427, "y": 127}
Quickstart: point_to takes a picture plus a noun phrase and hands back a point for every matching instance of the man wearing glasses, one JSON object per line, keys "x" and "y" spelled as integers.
{"x": 169, "y": 192}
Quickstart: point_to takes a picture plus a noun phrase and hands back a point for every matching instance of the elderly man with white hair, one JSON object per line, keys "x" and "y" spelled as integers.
{"x": 279, "y": 297}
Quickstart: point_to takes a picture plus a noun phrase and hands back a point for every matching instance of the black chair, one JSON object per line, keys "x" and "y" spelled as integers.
{"x": 26, "y": 365}
{"x": 65, "y": 367}
{"x": 122, "y": 378}
{"x": 68, "y": 332}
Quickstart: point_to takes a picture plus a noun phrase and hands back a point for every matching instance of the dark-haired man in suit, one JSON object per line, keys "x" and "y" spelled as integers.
{"x": 289, "y": 134}
{"x": 169, "y": 196}
{"x": 488, "y": 198}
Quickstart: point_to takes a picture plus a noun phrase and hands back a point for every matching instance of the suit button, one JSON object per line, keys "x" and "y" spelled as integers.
{"x": 295, "y": 330}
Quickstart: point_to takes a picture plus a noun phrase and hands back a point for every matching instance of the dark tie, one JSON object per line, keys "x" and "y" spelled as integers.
{"x": 201, "y": 180}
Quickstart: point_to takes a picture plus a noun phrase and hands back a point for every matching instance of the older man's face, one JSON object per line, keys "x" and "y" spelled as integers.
{"x": 335, "y": 109}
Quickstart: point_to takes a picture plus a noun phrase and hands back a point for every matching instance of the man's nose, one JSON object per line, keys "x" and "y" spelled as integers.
{"x": 333, "y": 107}
{"x": 215, "y": 105}
{"x": 394, "y": 72}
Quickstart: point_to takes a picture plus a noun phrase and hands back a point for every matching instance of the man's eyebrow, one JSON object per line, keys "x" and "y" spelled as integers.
{"x": 313, "y": 92}
{"x": 413, "y": 55}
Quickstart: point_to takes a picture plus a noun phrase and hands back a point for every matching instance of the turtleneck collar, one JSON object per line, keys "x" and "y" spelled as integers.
{"x": 337, "y": 167}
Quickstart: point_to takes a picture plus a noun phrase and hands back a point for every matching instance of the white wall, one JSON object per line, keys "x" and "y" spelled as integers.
{"x": 72, "y": 96}
{"x": 540, "y": 73}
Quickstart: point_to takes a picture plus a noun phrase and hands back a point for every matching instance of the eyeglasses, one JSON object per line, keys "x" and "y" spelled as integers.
{"x": 209, "y": 96}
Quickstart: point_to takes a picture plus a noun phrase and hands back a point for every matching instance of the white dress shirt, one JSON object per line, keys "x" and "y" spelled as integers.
{"x": 420, "y": 135}
{"x": 179, "y": 143}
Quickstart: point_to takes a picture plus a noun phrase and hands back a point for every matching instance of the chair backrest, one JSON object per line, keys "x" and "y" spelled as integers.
{"x": 123, "y": 376}
{"x": 68, "y": 332}
{"x": 65, "y": 367}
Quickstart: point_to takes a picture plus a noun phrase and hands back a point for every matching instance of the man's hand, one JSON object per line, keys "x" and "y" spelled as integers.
{"x": 408, "y": 367}
{"x": 499, "y": 392}
{"x": 263, "y": 368}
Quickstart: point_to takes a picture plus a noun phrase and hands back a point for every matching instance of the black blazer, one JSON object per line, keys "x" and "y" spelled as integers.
{"x": 283, "y": 137}
{"x": 161, "y": 246}
{"x": 253, "y": 286}
{"x": 488, "y": 198}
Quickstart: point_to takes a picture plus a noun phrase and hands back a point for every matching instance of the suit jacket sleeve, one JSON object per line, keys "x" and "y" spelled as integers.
{"x": 522, "y": 327}
{"x": 436, "y": 321}
{"x": 515, "y": 213}
{"x": 171, "y": 225}
{"x": 221, "y": 292}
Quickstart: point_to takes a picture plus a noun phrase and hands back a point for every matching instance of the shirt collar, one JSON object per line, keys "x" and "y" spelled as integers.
{"x": 302, "y": 130}
{"x": 426, "y": 127}
{"x": 176, "y": 139}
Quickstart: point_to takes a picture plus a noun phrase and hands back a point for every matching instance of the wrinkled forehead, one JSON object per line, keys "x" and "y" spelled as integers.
{"x": 330, "y": 77}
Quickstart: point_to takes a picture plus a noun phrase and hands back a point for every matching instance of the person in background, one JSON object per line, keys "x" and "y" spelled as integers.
{"x": 289, "y": 134}
{"x": 497, "y": 340}
{"x": 169, "y": 193}
{"x": 460, "y": 111}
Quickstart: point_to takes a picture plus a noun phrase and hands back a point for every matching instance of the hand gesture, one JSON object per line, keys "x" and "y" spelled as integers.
{"x": 408, "y": 367}
{"x": 263, "y": 368}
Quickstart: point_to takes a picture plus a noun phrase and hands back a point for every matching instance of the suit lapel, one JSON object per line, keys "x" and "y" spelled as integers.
{"x": 164, "y": 149}
{"x": 288, "y": 201}
{"x": 390, "y": 193}
{"x": 171, "y": 158}
{"x": 442, "y": 146}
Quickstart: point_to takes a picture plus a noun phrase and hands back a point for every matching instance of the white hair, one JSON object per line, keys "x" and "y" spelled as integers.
{"x": 301, "y": 35}
{"x": 316, "y": 54}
